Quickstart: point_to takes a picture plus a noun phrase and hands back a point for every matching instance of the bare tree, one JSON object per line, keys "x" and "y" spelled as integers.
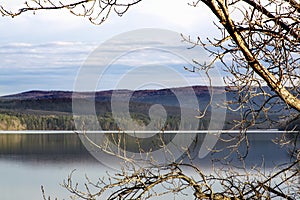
{"x": 261, "y": 41}
{"x": 143, "y": 184}
{"x": 97, "y": 11}
{"x": 184, "y": 180}
{"x": 259, "y": 46}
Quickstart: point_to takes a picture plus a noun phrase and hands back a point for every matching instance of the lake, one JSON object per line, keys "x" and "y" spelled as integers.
{"x": 29, "y": 160}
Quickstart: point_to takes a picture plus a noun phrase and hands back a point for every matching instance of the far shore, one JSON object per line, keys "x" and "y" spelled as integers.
{"x": 141, "y": 131}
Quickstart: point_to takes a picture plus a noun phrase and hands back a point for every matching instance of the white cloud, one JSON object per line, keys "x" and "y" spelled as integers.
{"x": 49, "y": 55}
{"x": 53, "y": 44}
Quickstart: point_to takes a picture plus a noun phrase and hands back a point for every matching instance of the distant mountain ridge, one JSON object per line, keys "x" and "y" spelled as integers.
{"x": 42, "y": 94}
{"x": 165, "y": 97}
{"x": 38, "y": 94}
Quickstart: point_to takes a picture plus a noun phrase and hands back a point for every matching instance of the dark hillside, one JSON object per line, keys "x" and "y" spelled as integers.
{"x": 53, "y": 109}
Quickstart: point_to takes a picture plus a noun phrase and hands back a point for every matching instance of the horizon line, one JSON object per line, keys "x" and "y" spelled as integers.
{"x": 141, "y": 131}
{"x": 106, "y": 90}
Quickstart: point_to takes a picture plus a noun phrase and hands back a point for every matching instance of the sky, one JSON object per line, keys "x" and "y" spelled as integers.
{"x": 48, "y": 50}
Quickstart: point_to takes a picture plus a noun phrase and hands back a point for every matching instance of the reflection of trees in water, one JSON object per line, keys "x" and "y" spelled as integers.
{"x": 18, "y": 144}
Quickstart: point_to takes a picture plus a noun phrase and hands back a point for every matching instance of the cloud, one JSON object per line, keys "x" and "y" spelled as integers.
{"x": 40, "y": 56}
{"x": 27, "y": 63}
{"x": 61, "y": 25}
{"x": 48, "y": 66}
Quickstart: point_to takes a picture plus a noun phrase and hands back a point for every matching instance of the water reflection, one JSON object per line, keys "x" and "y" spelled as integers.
{"x": 69, "y": 148}
{"x": 51, "y": 148}
{"x": 258, "y": 148}
{"x": 28, "y": 161}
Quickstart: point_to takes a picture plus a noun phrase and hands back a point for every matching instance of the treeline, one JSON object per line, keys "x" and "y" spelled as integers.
{"x": 60, "y": 122}
{"x": 13, "y": 120}
{"x": 8, "y": 122}
{"x": 21, "y": 121}
{"x": 18, "y": 121}
{"x": 138, "y": 121}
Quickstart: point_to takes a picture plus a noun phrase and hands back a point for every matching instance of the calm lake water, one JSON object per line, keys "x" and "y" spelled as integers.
{"x": 28, "y": 161}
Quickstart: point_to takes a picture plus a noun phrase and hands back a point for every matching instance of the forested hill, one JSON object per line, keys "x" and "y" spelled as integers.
{"x": 52, "y": 110}
{"x": 139, "y": 95}
{"x": 60, "y": 101}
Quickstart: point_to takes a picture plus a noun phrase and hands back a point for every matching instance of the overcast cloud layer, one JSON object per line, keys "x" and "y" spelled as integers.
{"x": 45, "y": 51}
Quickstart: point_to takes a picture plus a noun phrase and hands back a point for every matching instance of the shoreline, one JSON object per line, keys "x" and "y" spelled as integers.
{"x": 268, "y": 131}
